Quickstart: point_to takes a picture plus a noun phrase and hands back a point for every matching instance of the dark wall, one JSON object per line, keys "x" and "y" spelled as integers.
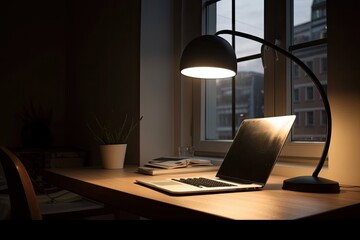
{"x": 103, "y": 64}
{"x": 74, "y": 57}
{"x": 33, "y": 53}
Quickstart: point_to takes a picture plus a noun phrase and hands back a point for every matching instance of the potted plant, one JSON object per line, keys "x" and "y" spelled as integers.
{"x": 112, "y": 140}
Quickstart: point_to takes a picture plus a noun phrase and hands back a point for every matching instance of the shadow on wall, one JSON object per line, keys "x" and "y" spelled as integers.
{"x": 36, "y": 132}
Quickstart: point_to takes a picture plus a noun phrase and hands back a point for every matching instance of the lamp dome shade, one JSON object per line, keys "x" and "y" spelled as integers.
{"x": 208, "y": 56}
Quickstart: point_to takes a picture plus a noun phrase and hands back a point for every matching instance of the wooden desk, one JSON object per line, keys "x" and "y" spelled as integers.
{"x": 117, "y": 189}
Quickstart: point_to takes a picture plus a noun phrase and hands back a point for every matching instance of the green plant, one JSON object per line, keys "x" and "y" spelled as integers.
{"x": 106, "y": 134}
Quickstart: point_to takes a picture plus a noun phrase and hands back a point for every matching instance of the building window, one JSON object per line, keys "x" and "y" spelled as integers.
{"x": 296, "y": 95}
{"x": 255, "y": 92}
{"x": 309, "y": 119}
{"x": 297, "y": 119}
{"x": 308, "y": 42}
{"x": 309, "y": 93}
{"x": 323, "y": 65}
{"x": 323, "y": 118}
{"x": 295, "y": 71}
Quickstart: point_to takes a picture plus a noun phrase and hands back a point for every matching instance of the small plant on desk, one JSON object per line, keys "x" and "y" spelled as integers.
{"x": 110, "y": 134}
{"x": 113, "y": 140}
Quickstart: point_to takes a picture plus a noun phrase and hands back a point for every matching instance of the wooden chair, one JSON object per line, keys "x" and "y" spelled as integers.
{"x": 24, "y": 201}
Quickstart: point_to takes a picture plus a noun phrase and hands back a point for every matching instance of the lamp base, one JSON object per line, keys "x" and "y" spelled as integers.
{"x": 311, "y": 184}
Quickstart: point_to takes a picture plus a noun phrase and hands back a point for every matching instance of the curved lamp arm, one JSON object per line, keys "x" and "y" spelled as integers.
{"x": 210, "y": 56}
{"x": 313, "y": 78}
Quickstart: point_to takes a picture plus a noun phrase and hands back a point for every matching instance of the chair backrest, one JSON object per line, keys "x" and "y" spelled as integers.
{"x": 24, "y": 204}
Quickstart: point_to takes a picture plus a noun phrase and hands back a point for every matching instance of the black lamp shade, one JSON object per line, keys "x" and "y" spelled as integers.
{"x": 210, "y": 53}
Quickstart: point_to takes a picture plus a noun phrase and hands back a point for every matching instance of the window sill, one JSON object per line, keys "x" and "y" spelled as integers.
{"x": 296, "y": 169}
{"x": 214, "y": 160}
{"x": 284, "y": 168}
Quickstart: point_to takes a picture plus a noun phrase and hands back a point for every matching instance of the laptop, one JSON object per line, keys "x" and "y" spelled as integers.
{"x": 246, "y": 166}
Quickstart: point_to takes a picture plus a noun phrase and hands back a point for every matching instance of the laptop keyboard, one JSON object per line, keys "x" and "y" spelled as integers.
{"x": 203, "y": 182}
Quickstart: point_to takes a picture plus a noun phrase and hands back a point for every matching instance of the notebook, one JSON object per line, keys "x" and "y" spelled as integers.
{"x": 246, "y": 166}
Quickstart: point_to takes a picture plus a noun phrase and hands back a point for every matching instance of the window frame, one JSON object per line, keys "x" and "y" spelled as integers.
{"x": 277, "y": 99}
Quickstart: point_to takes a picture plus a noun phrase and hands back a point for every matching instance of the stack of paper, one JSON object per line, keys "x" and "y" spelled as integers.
{"x": 172, "y": 162}
{"x": 169, "y": 165}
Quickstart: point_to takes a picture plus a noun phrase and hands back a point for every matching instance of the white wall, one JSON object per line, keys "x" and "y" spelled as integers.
{"x": 156, "y": 79}
{"x": 165, "y": 97}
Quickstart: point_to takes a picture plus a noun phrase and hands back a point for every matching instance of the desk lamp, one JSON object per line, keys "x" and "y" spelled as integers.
{"x": 212, "y": 57}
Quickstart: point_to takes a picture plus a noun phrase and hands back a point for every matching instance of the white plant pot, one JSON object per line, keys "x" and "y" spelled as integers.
{"x": 113, "y": 155}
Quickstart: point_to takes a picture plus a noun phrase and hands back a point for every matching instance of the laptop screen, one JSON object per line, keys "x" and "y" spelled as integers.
{"x": 255, "y": 149}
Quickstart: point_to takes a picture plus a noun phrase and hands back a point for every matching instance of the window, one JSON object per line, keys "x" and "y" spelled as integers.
{"x": 240, "y": 97}
{"x": 323, "y": 117}
{"x": 308, "y": 42}
{"x": 309, "y": 119}
{"x": 221, "y": 105}
{"x": 323, "y": 65}
{"x": 296, "y": 95}
{"x": 297, "y": 119}
{"x": 295, "y": 71}
{"x": 309, "y": 94}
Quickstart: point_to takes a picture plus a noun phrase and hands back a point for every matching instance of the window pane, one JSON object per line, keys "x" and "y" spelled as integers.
{"x": 309, "y": 20}
{"x": 218, "y": 109}
{"x": 249, "y": 91}
{"x": 223, "y": 15}
{"x": 309, "y": 24}
{"x": 249, "y": 19}
{"x": 249, "y": 86}
{"x": 306, "y": 97}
